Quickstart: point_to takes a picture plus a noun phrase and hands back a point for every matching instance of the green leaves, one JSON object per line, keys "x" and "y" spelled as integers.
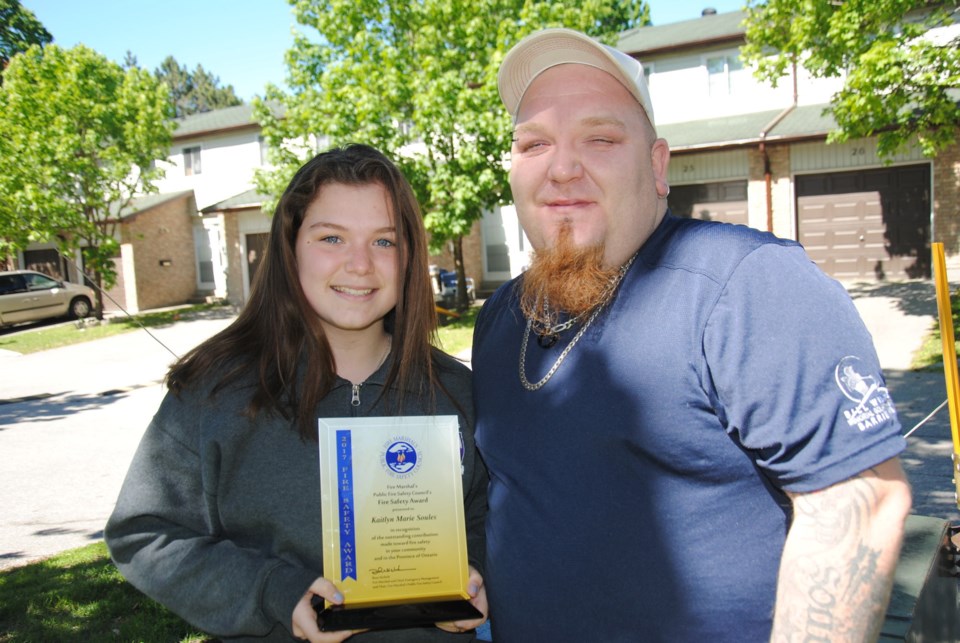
{"x": 19, "y": 29}
{"x": 417, "y": 80}
{"x": 902, "y": 72}
{"x": 78, "y": 139}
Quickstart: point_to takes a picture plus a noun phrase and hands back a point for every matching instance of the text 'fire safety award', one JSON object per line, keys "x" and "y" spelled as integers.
{"x": 394, "y": 537}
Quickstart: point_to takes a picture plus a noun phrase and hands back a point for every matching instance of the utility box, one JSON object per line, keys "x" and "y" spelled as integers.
{"x": 925, "y": 605}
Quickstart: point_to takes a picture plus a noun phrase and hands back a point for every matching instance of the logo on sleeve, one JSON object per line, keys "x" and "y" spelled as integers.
{"x": 873, "y": 405}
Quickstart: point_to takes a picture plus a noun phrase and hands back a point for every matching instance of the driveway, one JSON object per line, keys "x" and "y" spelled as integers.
{"x": 70, "y": 421}
{"x": 900, "y": 315}
{"x": 71, "y": 418}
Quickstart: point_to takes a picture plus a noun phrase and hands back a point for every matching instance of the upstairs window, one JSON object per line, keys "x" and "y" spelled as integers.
{"x": 724, "y": 74}
{"x": 191, "y": 161}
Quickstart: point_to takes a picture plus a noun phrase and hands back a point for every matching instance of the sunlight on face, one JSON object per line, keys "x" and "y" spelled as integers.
{"x": 347, "y": 258}
{"x": 584, "y": 156}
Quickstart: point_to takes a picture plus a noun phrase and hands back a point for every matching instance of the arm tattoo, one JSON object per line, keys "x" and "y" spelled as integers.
{"x": 831, "y": 587}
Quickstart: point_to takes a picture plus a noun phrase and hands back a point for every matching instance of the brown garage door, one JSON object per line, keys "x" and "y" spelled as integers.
{"x": 873, "y": 224}
{"x": 47, "y": 261}
{"x": 723, "y": 201}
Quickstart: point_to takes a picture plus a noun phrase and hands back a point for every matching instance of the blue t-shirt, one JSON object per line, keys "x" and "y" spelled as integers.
{"x": 639, "y": 494}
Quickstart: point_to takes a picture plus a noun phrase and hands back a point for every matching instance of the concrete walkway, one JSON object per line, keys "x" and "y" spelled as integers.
{"x": 71, "y": 418}
{"x": 900, "y": 315}
{"x": 70, "y": 421}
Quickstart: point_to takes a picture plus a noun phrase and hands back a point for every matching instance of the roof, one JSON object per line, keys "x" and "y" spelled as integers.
{"x": 144, "y": 203}
{"x": 242, "y": 201}
{"x": 797, "y": 123}
{"x": 646, "y": 41}
{"x": 219, "y": 120}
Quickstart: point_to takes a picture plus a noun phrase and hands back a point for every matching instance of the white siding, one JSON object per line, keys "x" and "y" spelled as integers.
{"x": 681, "y": 88}
{"x": 704, "y": 168}
{"x": 819, "y": 156}
{"x": 227, "y": 165}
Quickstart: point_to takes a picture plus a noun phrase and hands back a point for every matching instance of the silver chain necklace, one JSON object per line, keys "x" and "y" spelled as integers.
{"x": 533, "y": 386}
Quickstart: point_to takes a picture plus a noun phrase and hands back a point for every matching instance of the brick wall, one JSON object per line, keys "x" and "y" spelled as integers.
{"x": 163, "y": 255}
{"x": 472, "y": 255}
{"x": 946, "y": 206}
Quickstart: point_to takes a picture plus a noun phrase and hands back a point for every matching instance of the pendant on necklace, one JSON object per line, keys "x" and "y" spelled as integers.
{"x": 552, "y": 334}
{"x": 548, "y": 340}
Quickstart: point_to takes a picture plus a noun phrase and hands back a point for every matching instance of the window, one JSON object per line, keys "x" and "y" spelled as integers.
{"x": 11, "y": 283}
{"x": 40, "y": 282}
{"x": 724, "y": 72}
{"x": 191, "y": 161}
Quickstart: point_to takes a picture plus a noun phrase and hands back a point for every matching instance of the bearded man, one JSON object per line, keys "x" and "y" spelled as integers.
{"x": 674, "y": 453}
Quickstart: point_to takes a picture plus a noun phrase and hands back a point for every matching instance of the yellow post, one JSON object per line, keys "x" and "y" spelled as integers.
{"x": 949, "y": 358}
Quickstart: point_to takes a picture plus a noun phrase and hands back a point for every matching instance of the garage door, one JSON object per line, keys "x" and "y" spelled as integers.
{"x": 873, "y": 224}
{"x": 47, "y": 261}
{"x": 723, "y": 201}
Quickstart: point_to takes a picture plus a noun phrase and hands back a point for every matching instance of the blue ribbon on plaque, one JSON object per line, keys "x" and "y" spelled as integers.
{"x": 345, "y": 493}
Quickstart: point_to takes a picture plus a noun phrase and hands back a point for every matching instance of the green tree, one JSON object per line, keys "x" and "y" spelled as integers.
{"x": 901, "y": 77}
{"x": 417, "y": 80}
{"x": 19, "y": 29}
{"x": 78, "y": 139}
{"x": 129, "y": 60}
{"x": 196, "y": 91}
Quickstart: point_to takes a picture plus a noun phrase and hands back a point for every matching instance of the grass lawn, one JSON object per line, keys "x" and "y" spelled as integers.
{"x": 79, "y": 595}
{"x": 85, "y": 330}
{"x": 455, "y": 335}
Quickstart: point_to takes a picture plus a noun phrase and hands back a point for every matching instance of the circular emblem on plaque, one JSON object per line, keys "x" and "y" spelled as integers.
{"x": 401, "y": 457}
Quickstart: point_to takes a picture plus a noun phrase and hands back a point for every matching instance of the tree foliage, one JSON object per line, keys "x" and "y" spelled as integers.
{"x": 417, "y": 80}
{"x": 78, "y": 137}
{"x": 902, "y": 66}
{"x": 196, "y": 91}
{"x": 19, "y": 29}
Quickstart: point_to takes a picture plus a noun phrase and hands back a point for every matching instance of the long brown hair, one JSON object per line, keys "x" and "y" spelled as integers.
{"x": 279, "y": 334}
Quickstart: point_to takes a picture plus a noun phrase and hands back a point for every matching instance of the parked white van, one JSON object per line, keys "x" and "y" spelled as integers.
{"x": 27, "y": 296}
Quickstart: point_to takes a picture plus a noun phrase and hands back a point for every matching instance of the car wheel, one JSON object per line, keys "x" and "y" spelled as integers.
{"x": 80, "y": 308}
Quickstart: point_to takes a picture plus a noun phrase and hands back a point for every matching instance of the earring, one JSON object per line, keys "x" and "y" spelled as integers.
{"x": 664, "y": 197}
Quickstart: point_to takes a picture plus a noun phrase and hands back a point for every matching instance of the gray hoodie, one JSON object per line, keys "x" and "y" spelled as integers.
{"x": 219, "y": 516}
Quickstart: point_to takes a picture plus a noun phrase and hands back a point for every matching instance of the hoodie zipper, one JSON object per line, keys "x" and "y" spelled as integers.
{"x": 355, "y": 395}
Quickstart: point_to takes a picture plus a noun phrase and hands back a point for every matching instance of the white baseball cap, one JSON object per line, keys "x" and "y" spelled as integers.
{"x": 542, "y": 50}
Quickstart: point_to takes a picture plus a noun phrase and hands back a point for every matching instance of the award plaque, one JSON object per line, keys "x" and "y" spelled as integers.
{"x": 394, "y": 535}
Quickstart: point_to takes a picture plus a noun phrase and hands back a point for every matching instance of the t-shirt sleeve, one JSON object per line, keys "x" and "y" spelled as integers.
{"x": 794, "y": 375}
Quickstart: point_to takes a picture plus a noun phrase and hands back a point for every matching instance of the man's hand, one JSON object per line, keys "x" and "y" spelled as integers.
{"x": 839, "y": 558}
{"x": 305, "y": 617}
{"x": 478, "y": 599}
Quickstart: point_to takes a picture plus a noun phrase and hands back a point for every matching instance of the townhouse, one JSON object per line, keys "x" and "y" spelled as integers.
{"x": 741, "y": 151}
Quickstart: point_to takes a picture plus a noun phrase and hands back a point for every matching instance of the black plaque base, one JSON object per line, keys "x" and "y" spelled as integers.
{"x": 341, "y": 617}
